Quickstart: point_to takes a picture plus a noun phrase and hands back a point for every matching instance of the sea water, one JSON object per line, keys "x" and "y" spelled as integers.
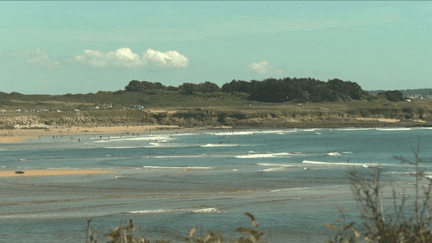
{"x": 291, "y": 180}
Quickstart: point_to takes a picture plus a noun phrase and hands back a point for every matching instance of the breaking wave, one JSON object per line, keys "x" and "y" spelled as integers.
{"x": 202, "y": 210}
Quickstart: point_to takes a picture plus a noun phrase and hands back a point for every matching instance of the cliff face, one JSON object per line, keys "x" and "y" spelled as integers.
{"x": 395, "y": 113}
{"x": 201, "y": 118}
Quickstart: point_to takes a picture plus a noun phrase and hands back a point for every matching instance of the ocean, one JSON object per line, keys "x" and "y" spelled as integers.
{"x": 168, "y": 182}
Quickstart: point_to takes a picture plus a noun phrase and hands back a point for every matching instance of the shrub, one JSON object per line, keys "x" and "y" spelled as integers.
{"x": 382, "y": 229}
{"x": 125, "y": 234}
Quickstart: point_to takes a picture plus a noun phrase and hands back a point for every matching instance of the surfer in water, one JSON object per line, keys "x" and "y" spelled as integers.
{"x": 348, "y": 160}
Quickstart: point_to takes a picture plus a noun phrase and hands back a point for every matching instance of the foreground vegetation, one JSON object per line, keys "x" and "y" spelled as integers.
{"x": 379, "y": 226}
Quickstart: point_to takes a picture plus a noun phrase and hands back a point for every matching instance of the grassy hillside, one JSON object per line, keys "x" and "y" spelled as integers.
{"x": 201, "y": 110}
{"x": 119, "y": 99}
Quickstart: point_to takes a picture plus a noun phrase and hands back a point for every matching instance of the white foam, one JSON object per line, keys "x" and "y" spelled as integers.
{"x": 405, "y": 173}
{"x": 274, "y": 164}
{"x": 398, "y": 173}
{"x": 333, "y": 163}
{"x": 250, "y": 132}
{"x": 172, "y": 167}
{"x": 276, "y": 131}
{"x": 179, "y": 156}
{"x": 310, "y": 130}
{"x": 272, "y": 169}
{"x": 251, "y": 156}
{"x": 220, "y": 145}
{"x": 394, "y": 129}
{"x": 146, "y": 138}
{"x": 205, "y": 210}
{"x": 334, "y": 154}
{"x": 232, "y": 133}
{"x": 354, "y": 129}
{"x": 153, "y": 211}
{"x": 366, "y": 165}
{"x": 202, "y": 210}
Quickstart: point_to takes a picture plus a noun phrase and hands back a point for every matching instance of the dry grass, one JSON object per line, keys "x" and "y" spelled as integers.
{"x": 125, "y": 234}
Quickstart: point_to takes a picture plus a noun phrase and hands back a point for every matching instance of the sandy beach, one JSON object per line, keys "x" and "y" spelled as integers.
{"x": 53, "y": 172}
{"x": 20, "y": 134}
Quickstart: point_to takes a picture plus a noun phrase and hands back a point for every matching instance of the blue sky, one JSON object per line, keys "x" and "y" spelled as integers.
{"x": 56, "y": 47}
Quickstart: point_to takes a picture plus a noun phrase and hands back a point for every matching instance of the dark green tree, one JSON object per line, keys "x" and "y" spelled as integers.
{"x": 393, "y": 96}
{"x": 172, "y": 88}
{"x": 134, "y": 86}
{"x": 208, "y": 87}
{"x": 143, "y": 86}
{"x": 188, "y": 88}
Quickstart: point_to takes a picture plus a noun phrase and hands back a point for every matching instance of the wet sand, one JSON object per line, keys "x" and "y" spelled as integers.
{"x": 19, "y": 135}
{"x": 53, "y": 172}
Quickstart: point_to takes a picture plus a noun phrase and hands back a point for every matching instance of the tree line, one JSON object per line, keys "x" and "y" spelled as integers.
{"x": 185, "y": 88}
{"x": 296, "y": 90}
{"x": 273, "y": 90}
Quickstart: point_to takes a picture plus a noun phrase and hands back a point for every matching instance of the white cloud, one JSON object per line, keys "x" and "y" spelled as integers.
{"x": 43, "y": 61}
{"x": 169, "y": 58}
{"x": 264, "y": 68}
{"x": 124, "y": 57}
{"x": 38, "y": 58}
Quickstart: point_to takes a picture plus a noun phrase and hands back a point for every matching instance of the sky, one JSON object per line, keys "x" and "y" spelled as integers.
{"x": 59, "y": 47}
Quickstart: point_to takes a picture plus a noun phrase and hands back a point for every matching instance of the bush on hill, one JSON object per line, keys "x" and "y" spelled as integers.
{"x": 393, "y": 96}
{"x": 296, "y": 90}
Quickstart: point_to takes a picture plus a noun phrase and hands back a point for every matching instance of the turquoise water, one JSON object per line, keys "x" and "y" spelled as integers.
{"x": 290, "y": 179}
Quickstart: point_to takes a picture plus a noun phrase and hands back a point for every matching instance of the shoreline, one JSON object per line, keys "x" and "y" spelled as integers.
{"x": 53, "y": 172}
{"x": 23, "y": 134}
